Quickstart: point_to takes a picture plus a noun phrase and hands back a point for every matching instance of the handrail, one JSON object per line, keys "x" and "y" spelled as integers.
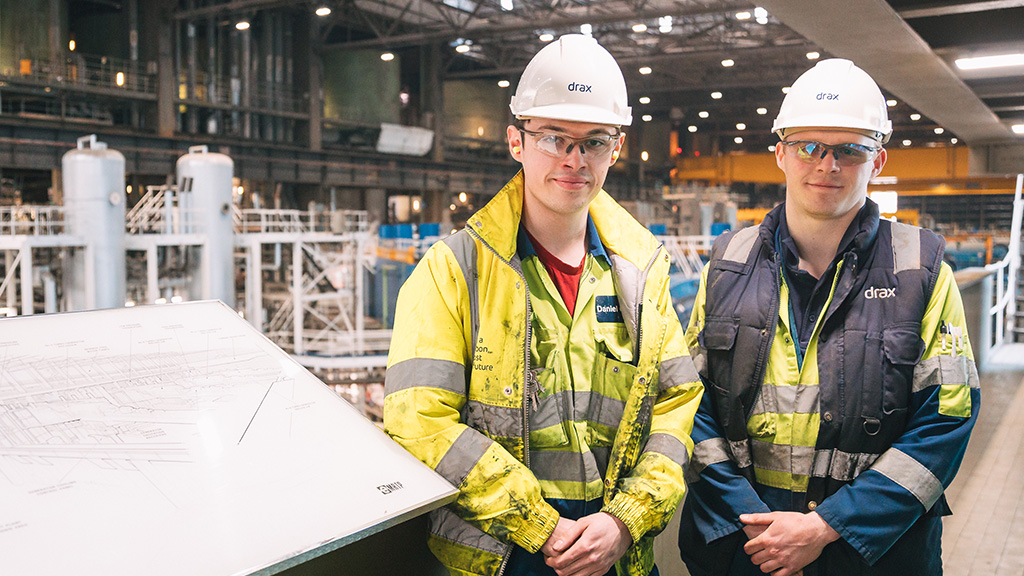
{"x": 1006, "y": 271}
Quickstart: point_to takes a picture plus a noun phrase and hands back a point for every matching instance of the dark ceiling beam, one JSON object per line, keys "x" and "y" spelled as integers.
{"x": 230, "y": 8}
{"x": 948, "y": 9}
{"x": 492, "y": 30}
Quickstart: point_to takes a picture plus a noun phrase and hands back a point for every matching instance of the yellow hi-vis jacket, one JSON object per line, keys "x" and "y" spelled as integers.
{"x": 458, "y": 373}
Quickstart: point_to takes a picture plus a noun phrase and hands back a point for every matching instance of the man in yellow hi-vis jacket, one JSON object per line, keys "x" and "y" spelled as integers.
{"x": 537, "y": 362}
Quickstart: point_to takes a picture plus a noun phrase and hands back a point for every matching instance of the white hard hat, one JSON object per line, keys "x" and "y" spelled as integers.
{"x": 573, "y": 79}
{"x": 835, "y": 94}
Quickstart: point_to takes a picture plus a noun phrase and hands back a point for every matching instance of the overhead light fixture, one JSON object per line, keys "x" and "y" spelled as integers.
{"x": 1017, "y": 128}
{"x": 771, "y": 148}
{"x": 785, "y": 89}
{"x": 762, "y": 111}
{"x": 506, "y": 5}
{"x": 813, "y": 55}
{"x": 71, "y": 45}
{"x": 890, "y": 102}
{"x": 716, "y": 95}
{"x": 546, "y": 37}
{"x": 119, "y": 79}
{"x": 940, "y": 130}
{"x": 760, "y": 15}
{"x": 645, "y": 99}
{"x": 741, "y": 126}
{"x": 743, "y": 15}
{"x": 647, "y": 117}
{"x": 387, "y": 56}
{"x": 691, "y": 128}
{"x": 462, "y": 48}
{"x": 586, "y": 29}
{"x": 915, "y": 116}
{"x": 703, "y": 114}
{"x": 954, "y": 140}
{"x": 503, "y": 83}
{"x": 242, "y": 24}
{"x": 728, "y": 62}
{"x": 665, "y": 24}
{"x": 644, "y": 155}
{"x": 323, "y": 11}
{"x": 907, "y": 142}
{"x": 641, "y": 27}
{"x": 997, "y": 61}
{"x": 645, "y": 70}
{"x": 738, "y": 139}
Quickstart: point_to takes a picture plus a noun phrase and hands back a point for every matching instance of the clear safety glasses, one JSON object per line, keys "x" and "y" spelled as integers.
{"x": 845, "y": 154}
{"x": 557, "y": 145}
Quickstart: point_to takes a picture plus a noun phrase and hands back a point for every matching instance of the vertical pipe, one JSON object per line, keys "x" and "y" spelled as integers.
{"x": 246, "y": 85}
{"x": 190, "y": 74}
{"x": 27, "y": 304}
{"x": 297, "y": 305}
{"x": 254, "y": 283}
{"x": 152, "y": 273}
{"x": 12, "y": 291}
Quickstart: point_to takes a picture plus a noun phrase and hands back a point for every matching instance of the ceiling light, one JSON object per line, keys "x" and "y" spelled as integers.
{"x": 741, "y": 126}
{"x": 242, "y": 25}
{"x": 1017, "y": 128}
{"x": 738, "y": 140}
{"x": 716, "y": 95}
{"x": 71, "y": 45}
{"x": 665, "y": 24}
{"x": 644, "y": 155}
{"x": 785, "y": 89}
{"x": 771, "y": 148}
{"x": 953, "y": 140}
{"x": 743, "y": 15}
{"x": 645, "y": 99}
{"x": 728, "y": 62}
{"x": 119, "y": 79}
{"x": 503, "y": 83}
{"x": 703, "y": 114}
{"x": 762, "y": 111}
{"x": 638, "y": 28}
{"x": 323, "y": 11}
{"x": 506, "y": 5}
{"x": 645, "y": 70}
{"x": 586, "y": 29}
{"x": 462, "y": 48}
{"x": 691, "y": 128}
{"x": 547, "y": 37}
{"x": 647, "y": 118}
{"x": 890, "y": 102}
{"x": 939, "y": 130}
{"x": 915, "y": 117}
{"x": 761, "y": 15}
{"x": 997, "y": 61}
{"x": 387, "y": 56}
{"x": 906, "y": 142}
{"x": 813, "y": 55}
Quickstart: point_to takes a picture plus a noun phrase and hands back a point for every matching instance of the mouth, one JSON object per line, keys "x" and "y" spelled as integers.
{"x": 571, "y": 182}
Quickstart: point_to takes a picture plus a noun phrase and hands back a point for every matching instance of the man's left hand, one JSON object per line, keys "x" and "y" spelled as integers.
{"x": 600, "y": 540}
{"x": 791, "y": 540}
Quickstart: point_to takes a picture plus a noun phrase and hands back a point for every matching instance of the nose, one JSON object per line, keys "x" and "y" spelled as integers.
{"x": 574, "y": 156}
{"x": 828, "y": 162}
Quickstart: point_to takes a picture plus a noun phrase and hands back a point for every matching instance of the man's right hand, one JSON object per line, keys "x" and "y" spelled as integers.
{"x": 561, "y": 538}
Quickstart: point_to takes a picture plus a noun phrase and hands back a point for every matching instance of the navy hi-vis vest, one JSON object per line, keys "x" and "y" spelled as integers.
{"x": 868, "y": 345}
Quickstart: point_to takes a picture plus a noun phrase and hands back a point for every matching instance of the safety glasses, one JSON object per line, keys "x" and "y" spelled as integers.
{"x": 559, "y": 145}
{"x": 845, "y": 154}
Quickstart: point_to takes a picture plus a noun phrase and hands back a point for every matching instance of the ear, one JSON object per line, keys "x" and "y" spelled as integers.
{"x": 879, "y": 163}
{"x": 618, "y": 149}
{"x": 515, "y": 143}
{"x": 779, "y": 153}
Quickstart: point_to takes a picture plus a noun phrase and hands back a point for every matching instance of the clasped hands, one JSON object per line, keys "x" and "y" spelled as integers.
{"x": 589, "y": 546}
{"x": 782, "y": 543}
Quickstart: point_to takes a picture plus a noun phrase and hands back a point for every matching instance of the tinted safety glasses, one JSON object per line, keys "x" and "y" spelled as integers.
{"x": 845, "y": 154}
{"x": 559, "y": 145}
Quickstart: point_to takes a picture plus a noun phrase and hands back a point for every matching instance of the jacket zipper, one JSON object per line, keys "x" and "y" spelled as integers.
{"x": 527, "y": 380}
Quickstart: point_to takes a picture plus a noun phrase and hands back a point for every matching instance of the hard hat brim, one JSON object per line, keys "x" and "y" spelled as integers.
{"x": 835, "y": 122}
{"x": 577, "y": 113}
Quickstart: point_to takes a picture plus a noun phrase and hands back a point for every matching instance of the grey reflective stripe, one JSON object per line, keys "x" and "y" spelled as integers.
{"x": 602, "y": 409}
{"x": 906, "y": 247}
{"x": 585, "y": 407}
{"x": 494, "y": 420}
{"x": 913, "y": 476}
{"x": 799, "y": 399}
{"x": 740, "y": 450}
{"x": 464, "y": 249}
{"x": 708, "y": 452}
{"x": 462, "y": 456}
{"x": 669, "y": 446}
{"x": 740, "y": 244}
{"x": 425, "y": 372}
{"x": 564, "y": 466}
{"x": 783, "y": 457}
{"x": 447, "y": 525}
{"x": 677, "y": 371}
{"x": 949, "y": 370}
{"x": 549, "y": 410}
{"x": 628, "y": 282}
{"x": 842, "y": 466}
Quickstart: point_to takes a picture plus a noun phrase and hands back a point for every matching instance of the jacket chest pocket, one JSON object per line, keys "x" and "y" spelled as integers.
{"x": 888, "y": 372}
{"x": 610, "y": 384}
{"x": 718, "y": 339}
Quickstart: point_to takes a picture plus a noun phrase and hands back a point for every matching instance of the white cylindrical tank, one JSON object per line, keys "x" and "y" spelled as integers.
{"x": 205, "y": 187}
{"x": 94, "y": 206}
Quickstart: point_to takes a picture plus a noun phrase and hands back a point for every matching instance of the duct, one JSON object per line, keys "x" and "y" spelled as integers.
{"x": 873, "y": 35}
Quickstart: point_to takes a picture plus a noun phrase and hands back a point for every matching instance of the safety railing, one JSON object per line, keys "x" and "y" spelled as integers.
{"x": 1006, "y": 271}
{"x": 686, "y": 252}
{"x": 30, "y": 220}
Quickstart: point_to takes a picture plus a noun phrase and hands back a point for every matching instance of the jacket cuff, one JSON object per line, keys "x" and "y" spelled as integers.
{"x": 632, "y": 513}
{"x": 536, "y": 528}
